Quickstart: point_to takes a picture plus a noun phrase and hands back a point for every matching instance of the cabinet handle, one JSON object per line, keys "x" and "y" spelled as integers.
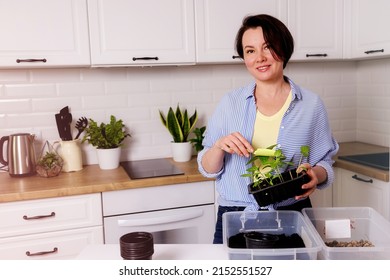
{"x": 373, "y": 51}
{"x": 31, "y": 60}
{"x": 361, "y": 179}
{"x": 316, "y": 55}
{"x": 193, "y": 214}
{"x": 145, "y": 58}
{"x": 52, "y": 214}
{"x": 55, "y": 250}
{"x": 236, "y": 57}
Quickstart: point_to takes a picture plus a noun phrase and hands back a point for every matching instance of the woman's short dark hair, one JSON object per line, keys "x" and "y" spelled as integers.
{"x": 276, "y": 35}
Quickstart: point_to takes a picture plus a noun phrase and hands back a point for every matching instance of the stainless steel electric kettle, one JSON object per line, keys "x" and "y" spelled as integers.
{"x": 20, "y": 154}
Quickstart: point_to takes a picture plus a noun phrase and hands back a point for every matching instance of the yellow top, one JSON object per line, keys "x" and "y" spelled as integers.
{"x": 266, "y": 129}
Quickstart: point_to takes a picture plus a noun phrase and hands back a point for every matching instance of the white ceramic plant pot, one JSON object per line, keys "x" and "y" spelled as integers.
{"x": 109, "y": 158}
{"x": 181, "y": 152}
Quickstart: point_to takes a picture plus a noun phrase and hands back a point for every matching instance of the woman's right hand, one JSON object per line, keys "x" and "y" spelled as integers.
{"x": 234, "y": 143}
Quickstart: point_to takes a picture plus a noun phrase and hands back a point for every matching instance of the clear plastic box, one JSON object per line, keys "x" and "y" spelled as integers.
{"x": 365, "y": 224}
{"x": 275, "y": 222}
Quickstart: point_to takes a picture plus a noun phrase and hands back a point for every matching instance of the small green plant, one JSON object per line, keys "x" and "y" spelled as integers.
{"x": 49, "y": 160}
{"x": 267, "y": 163}
{"x": 105, "y": 136}
{"x": 198, "y": 139}
{"x": 50, "y": 164}
{"x": 178, "y": 123}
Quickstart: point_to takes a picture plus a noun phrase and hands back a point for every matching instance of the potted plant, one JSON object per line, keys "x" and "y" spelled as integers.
{"x": 197, "y": 141}
{"x": 179, "y": 125}
{"x": 49, "y": 163}
{"x": 108, "y": 140}
{"x": 270, "y": 185}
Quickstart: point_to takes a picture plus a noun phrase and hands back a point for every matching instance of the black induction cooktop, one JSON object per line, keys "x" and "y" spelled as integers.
{"x": 150, "y": 168}
{"x": 376, "y": 160}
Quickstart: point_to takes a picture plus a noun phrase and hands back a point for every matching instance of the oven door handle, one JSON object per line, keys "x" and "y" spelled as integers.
{"x": 194, "y": 213}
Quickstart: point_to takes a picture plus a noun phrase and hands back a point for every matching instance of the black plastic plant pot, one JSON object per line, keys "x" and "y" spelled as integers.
{"x": 259, "y": 240}
{"x": 279, "y": 191}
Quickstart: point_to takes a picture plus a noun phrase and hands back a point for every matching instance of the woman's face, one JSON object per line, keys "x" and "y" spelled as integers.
{"x": 258, "y": 57}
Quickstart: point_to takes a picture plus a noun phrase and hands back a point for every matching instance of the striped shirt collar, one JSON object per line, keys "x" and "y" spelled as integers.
{"x": 296, "y": 92}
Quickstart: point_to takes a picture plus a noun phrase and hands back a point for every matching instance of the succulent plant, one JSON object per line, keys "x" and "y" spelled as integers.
{"x": 178, "y": 123}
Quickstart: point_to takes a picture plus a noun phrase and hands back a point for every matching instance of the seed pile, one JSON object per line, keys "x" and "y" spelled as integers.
{"x": 353, "y": 243}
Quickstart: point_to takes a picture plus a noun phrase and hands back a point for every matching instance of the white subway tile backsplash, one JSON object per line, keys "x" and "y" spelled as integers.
{"x": 20, "y": 121}
{"x": 30, "y": 98}
{"x": 127, "y": 87}
{"x": 14, "y": 76}
{"x": 93, "y": 102}
{"x": 54, "y": 105}
{"x": 81, "y": 89}
{"x": 16, "y": 106}
{"x": 103, "y": 74}
{"x": 30, "y": 90}
{"x": 49, "y": 75}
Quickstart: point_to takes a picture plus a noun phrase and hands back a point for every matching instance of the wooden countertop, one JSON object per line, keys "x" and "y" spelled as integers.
{"x": 89, "y": 180}
{"x": 93, "y": 180}
{"x": 356, "y": 148}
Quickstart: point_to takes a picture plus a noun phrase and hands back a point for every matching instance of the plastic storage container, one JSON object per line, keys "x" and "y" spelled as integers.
{"x": 274, "y": 222}
{"x": 365, "y": 224}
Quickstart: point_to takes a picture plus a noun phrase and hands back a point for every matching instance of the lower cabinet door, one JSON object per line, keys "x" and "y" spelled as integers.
{"x": 65, "y": 244}
{"x": 357, "y": 190}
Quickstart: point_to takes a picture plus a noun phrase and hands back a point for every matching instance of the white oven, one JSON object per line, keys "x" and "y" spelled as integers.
{"x": 175, "y": 214}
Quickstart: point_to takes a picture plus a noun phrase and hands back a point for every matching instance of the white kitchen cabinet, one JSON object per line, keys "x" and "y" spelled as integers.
{"x": 141, "y": 32}
{"x": 355, "y": 190}
{"x": 66, "y": 244}
{"x": 177, "y": 213}
{"x": 367, "y": 28}
{"x": 322, "y": 198}
{"x": 50, "y": 228}
{"x": 317, "y": 28}
{"x": 217, "y": 23}
{"x": 43, "y": 33}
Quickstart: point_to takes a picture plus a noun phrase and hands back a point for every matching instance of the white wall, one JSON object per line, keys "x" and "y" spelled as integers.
{"x": 30, "y": 98}
{"x": 373, "y": 102}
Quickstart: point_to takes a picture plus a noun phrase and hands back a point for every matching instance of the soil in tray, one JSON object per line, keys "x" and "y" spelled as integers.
{"x": 284, "y": 241}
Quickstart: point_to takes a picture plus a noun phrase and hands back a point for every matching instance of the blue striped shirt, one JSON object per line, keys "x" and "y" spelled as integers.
{"x": 304, "y": 123}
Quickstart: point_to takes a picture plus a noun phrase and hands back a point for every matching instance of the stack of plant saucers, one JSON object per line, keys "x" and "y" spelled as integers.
{"x": 137, "y": 246}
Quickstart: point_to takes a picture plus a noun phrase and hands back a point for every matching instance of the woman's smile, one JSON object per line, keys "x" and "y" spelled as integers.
{"x": 263, "y": 68}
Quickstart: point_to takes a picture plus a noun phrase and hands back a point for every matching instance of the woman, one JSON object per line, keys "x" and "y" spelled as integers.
{"x": 271, "y": 110}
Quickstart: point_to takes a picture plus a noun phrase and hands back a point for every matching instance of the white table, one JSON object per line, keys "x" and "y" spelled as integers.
{"x": 161, "y": 252}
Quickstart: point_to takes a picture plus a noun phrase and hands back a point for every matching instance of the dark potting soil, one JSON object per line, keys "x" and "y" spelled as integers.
{"x": 285, "y": 241}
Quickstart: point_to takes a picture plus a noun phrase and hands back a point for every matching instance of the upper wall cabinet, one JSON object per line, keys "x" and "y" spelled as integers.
{"x": 217, "y": 23}
{"x": 43, "y": 33}
{"x": 317, "y": 28}
{"x": 147, "y": 32}
{"x": 367, "y": 28}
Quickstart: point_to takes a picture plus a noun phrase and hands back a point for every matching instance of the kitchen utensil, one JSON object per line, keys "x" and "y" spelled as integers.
{"x": 70, "y": 152}
{"x": 64, "y": 119}
{"x": 81, "y": 125}
{"x": 20, "y": 154}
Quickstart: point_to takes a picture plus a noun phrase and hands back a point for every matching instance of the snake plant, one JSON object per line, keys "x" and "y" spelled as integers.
{"x": 178, "y": 123}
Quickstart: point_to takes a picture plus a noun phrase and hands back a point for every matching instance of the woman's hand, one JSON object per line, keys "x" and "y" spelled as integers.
{"x": 312, "y": 184}
{"x": 235, "y": 143}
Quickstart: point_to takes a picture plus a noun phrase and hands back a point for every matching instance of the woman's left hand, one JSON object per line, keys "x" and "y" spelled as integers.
{"x": 312, "y": 184}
